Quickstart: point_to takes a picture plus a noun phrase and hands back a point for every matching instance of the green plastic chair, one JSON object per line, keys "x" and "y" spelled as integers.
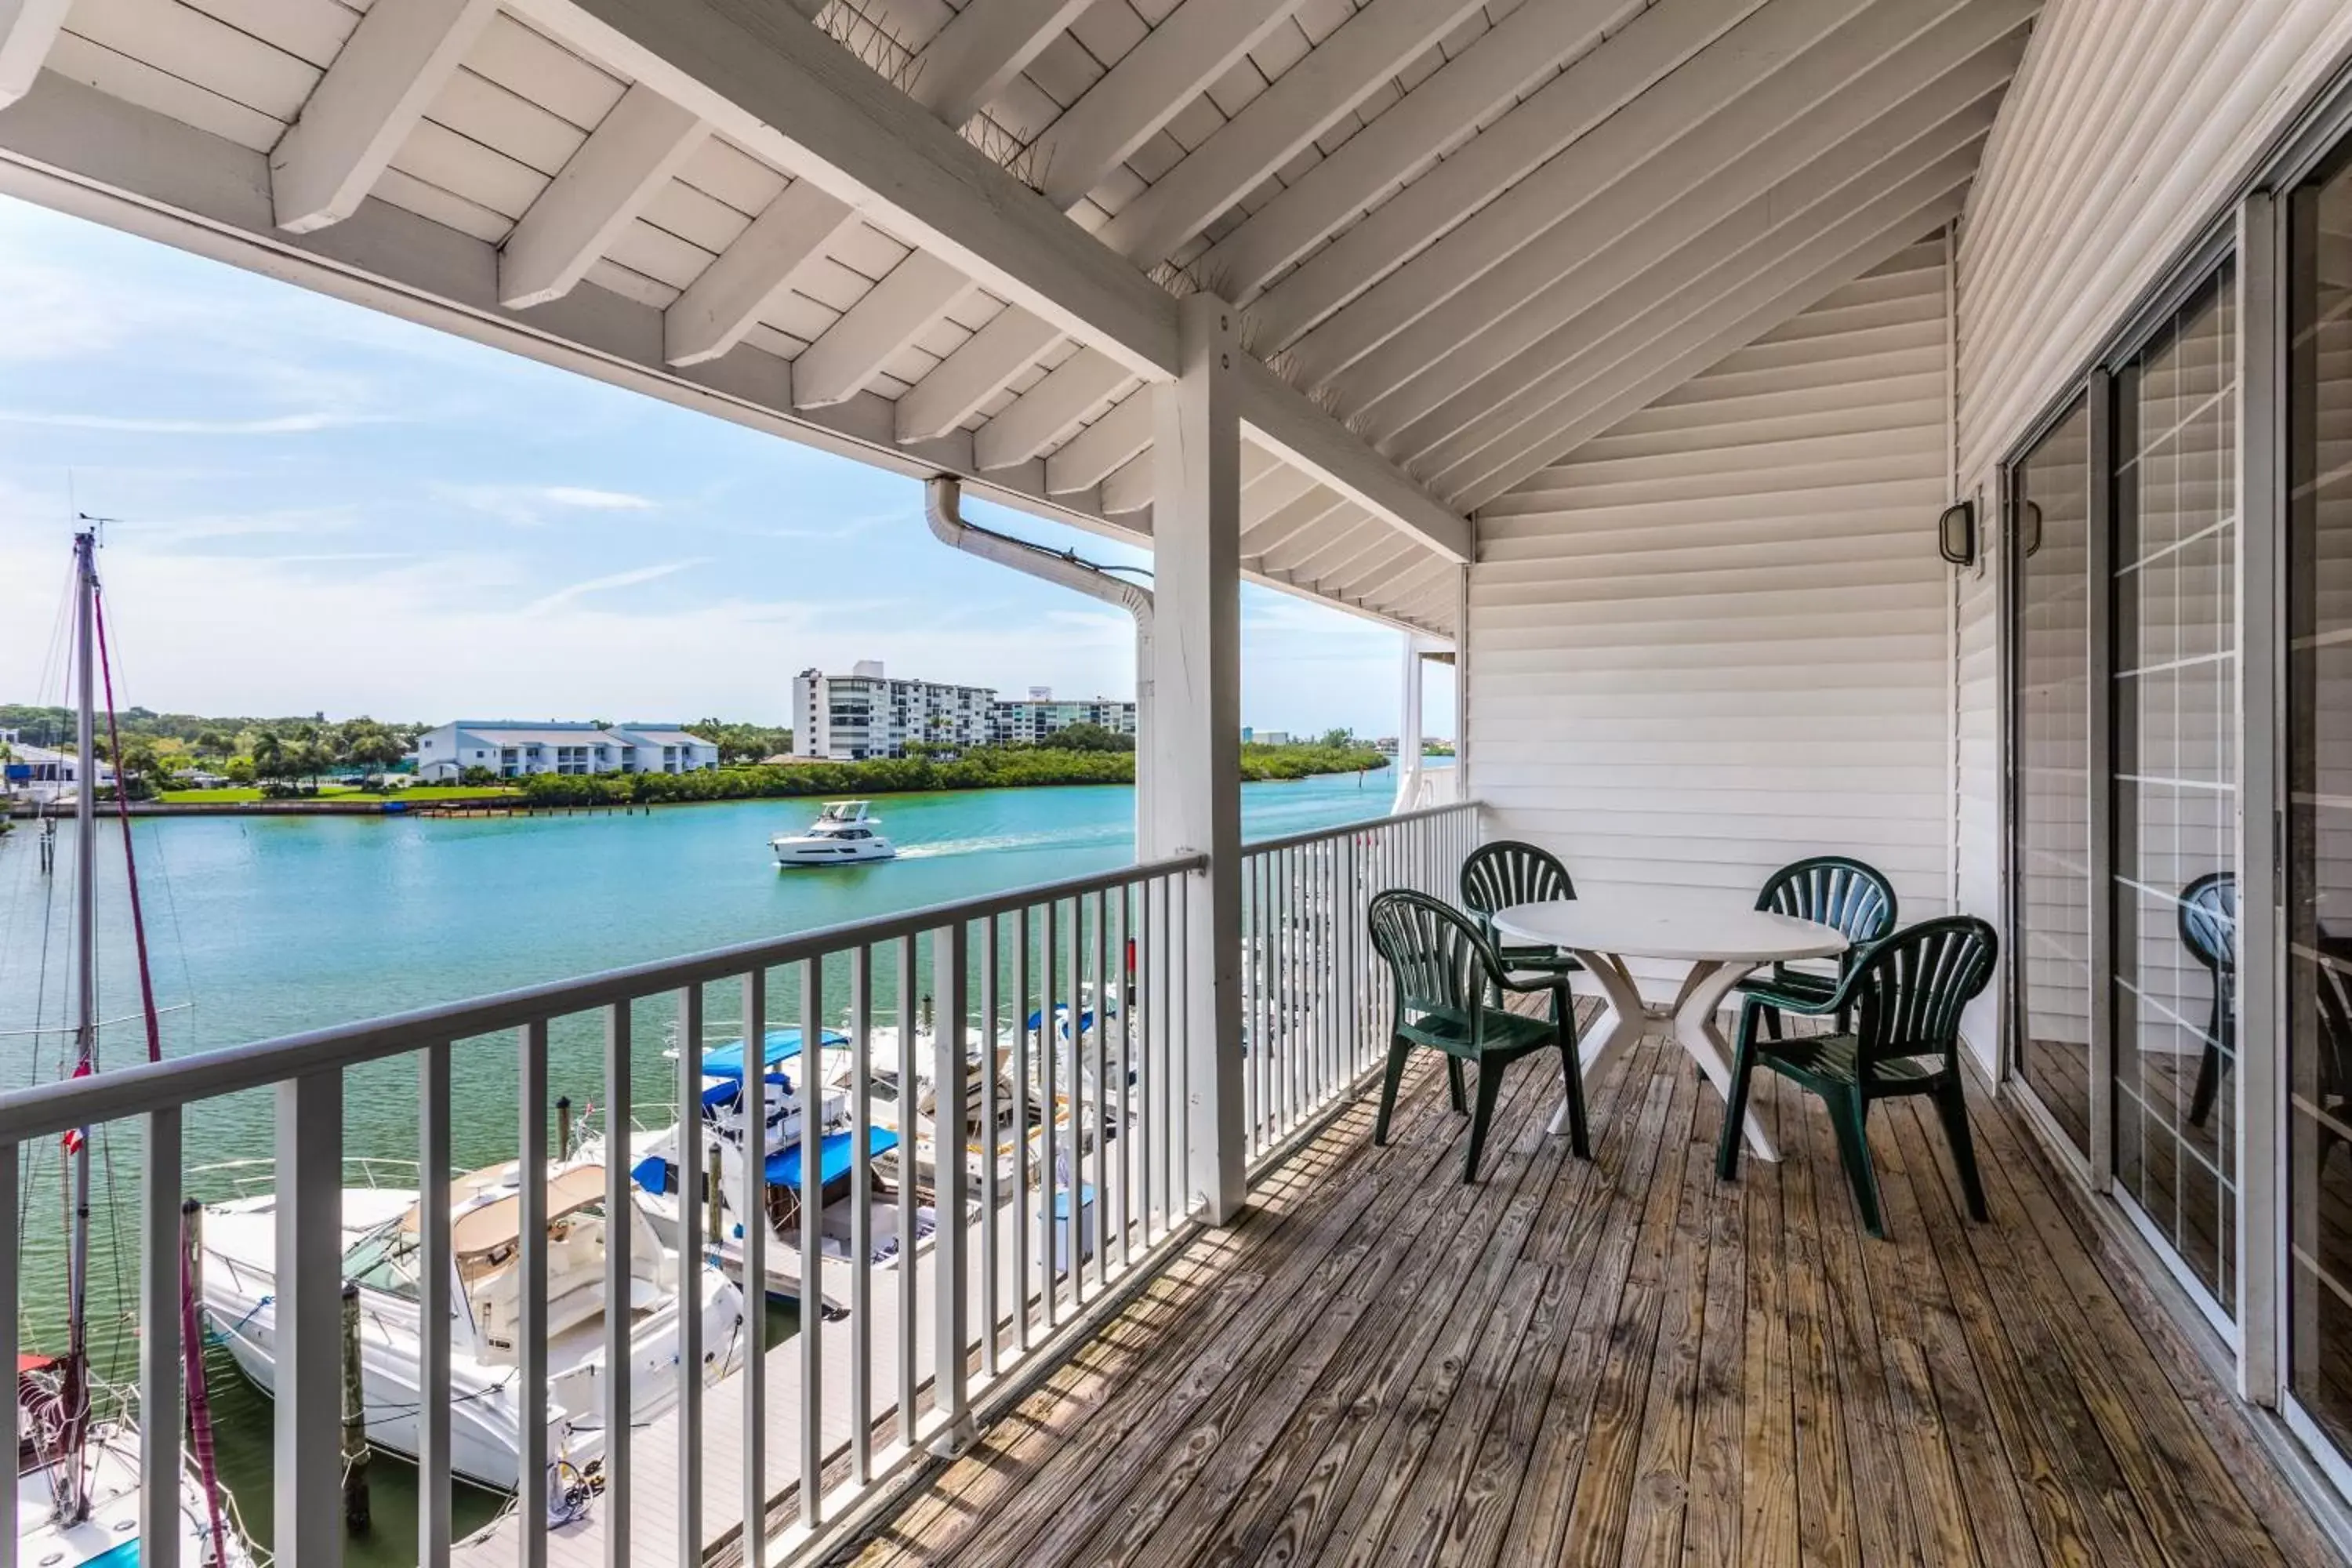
{"x": 1446, "y": 970}
{"x": 1852, "y": 898}
{"x": 1907, "y": 992}
{"x": 1507, "y": 872}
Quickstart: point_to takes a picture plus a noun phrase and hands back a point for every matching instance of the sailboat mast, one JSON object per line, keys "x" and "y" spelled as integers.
{"x": 85, "y": 1000}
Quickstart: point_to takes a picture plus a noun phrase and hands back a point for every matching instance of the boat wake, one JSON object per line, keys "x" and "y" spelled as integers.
{"x": 999, "y": 843}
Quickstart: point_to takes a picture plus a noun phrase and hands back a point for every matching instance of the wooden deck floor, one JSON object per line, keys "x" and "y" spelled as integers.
{"x": 1622, "y": 1362}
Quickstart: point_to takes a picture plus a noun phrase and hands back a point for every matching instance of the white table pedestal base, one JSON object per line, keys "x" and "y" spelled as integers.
{"x": 1691, "y": 1021}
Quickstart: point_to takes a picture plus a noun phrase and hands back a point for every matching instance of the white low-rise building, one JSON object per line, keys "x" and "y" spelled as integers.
{"x": 511, "y": 749}
{"x": 40, "y": 775}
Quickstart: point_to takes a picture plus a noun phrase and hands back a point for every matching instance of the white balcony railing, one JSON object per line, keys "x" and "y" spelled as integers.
{"x": 1072, "y": 1178}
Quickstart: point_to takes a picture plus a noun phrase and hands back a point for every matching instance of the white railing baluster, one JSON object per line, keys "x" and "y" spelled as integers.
{"x": 861, "y": 1216}
{"x": 908, "y": 1099}
{"x": 307, "y": 1321}
{"x": 950, "y": 1242}
{"x": 1021, "y": 1070}
{"x": 751, "y": 1220}
{"x": 990, "y": 1198}
{"x": 1122, "y": 935}
{"x": 619, "y": 1200}
{"x": 1098, "y": 1211}
{"x": 690, "y": 1201}
{"x": 436, "y": 1273}
{"x": 811, "y": 1312}
{"x": 1081, "y": 1130}
{"x": 1146, "y": 1086}
{"x": 531, "y": 1315}
{"x": 1049, "y": 1177}
{"x": 160, "y": 1370}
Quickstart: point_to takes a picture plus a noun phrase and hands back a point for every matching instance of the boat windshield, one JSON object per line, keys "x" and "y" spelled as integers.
{"x": 385, "y": 1259}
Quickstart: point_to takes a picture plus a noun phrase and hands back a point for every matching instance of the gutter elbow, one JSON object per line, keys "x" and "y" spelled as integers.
{"x": 943, "y": 508}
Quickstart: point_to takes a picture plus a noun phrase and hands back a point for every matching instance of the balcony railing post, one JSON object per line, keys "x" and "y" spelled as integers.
{"x": 308, "y": 1320}
{"x": 10, "y": 1257}
{"x": 160, "y": 1366}
{"x": 619, "y": 1399}
{"x": 951, "y": 1251}
{"x": 1195, "y": 754}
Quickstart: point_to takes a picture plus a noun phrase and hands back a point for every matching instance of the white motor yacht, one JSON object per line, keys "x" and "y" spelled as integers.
{"x": 845, "y": 833}
{"x": 379, "y": 1252}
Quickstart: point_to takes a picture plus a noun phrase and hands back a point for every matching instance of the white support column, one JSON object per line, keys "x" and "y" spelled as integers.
{"x": 1192, "y": 751}
{"x": 1409, "y": 738}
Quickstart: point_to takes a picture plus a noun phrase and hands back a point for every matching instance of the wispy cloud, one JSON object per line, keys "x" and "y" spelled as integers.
{"x": 573, "y": 592}
{"x": 527, "y": 506}
{"x": 274, "y": 424}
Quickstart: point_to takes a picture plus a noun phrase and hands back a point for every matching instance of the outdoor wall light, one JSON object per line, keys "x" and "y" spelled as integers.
{"x": 1955, "y": 533}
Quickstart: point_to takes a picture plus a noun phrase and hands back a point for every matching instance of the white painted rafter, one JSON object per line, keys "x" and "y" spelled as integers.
{"x": 1170, "y": 66}
{"x": 1276, "y": 416}
{"x": 1634, "y": 229}
{"x": 783, "y": 91}
{"x": 395, "y": 64}
{"x": 1528, "y": 443}
{"x": 1291, "y": 520}
{"x": 1504, "y": 61}
{"x": 841, "y": 361}
{"x": 718, "y": 307}
{"x": 28, "y": 28}
{"x": 1605, "y": 80}
{"x": 960, "y": 384}
{"x": 1094, "y": 454}
{"x": 972, "y": 59}
{"x": 1362, "y": 55}
{"x": 1756, "y": 67}
{"x": 1050, "y": 410}
{"x": 625, "y": 162}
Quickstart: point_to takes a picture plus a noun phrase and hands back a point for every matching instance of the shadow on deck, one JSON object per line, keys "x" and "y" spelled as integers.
{"x": 1622, "y": 1362}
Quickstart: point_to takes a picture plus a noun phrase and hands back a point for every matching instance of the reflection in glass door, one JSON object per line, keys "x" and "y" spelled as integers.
{"x": 2319, "y": 812}
{"x": 2050, "y": 806}
{"x": 2174, "y": 791}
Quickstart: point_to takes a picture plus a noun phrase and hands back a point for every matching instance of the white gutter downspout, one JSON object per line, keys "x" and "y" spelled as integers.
{"x": 943, "y": 499}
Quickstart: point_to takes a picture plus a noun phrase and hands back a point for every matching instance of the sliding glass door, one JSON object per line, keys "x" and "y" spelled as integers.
{"x": 2050, "y": 802}
{"x": 2173, "y": 663}
{"x": 2318, "y": 1191}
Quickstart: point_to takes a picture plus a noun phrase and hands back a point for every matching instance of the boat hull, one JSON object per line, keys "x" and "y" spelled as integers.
{"x": 109, "y": 1534}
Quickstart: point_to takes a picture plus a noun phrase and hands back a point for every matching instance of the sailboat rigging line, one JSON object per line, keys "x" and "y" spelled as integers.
{"x": 102, "y": 1023}
{"x": 122, "y": 811}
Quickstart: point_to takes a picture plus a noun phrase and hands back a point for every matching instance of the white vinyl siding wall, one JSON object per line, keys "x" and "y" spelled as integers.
{"x": 1714, "y": 639}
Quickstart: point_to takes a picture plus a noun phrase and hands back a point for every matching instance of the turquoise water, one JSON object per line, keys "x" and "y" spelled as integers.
{"x": 264, "y": 926}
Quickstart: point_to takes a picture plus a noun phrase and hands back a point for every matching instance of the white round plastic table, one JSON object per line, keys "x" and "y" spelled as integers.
{"x": 1722, "y": 937}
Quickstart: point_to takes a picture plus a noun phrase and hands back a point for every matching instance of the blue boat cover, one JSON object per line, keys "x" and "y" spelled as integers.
{"x": 784, "y": 1164}
{"x": 782, "y": 1045}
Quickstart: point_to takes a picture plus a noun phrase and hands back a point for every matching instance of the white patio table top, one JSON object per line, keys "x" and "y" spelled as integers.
{"x": 1722, "y": 936}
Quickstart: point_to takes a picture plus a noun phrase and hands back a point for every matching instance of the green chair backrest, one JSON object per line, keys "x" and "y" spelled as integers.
{"x": 1440, "y": 961}
{"x": 1912, "y": 987}
{"x": 1507, "y": 872}
{"x": 1835, "y": 891}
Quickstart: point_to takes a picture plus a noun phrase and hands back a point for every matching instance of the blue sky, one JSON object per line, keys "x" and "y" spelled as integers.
{"x": 327, "y": 509}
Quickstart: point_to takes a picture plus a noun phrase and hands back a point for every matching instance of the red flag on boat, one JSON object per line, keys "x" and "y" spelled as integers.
{"x": 76, "y": 1136}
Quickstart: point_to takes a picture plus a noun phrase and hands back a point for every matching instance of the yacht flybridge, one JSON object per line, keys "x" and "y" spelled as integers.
{"x": 845, "y": 833}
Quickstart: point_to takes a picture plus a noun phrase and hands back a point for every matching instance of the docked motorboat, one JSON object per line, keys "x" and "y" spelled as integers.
{"x": 845, "y": 833}
{"x": 381, "y": 1254}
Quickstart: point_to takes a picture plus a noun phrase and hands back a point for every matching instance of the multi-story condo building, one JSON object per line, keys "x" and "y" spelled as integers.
{"x": 514, "y": 749}
{"x": 866, "y": 713}
{"x": 1039, "y": 715}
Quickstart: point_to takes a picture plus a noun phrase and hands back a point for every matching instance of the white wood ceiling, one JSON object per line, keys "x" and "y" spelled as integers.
{"x": 1476, "y": 234}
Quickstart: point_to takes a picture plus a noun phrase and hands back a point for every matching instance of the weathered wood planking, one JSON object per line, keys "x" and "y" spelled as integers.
{"x": 1620, "y": 1362}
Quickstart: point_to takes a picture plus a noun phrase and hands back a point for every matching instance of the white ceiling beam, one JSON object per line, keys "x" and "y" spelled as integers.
{"x": 1168, "y": 68}
{"x": 1050, "y": 410}
{"x": 1638, "y": 227}
{"x": 1094, "y": 453}
{"x": 28, "y": 28}
{"x": 837, "y": 366}
{"x": 1345, "y": 532}
{"x": 1130, "y": 487}
{"x": 1585, "y": 94}
{"x": 1526, "y": 443}
{"x": 1276, "y": 415}
{"x": 598, "y": 192}
{"x": 1290, "y": 521}
{"x": 1375, "y": 582}
{"x": 1361, "y": 55}
{"x": 1818, "y": 194}
{"x": 1769, "y": 50}
{"x": 1502, "y": 62}
{"x": 718, "y": 307}
{"x": 785, "y": 91}
{"x": 970, "y": 62}
{"x": 962, "y": 382}
{"x": 1779, "y": 250}
{"x": 388, "y": 73}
